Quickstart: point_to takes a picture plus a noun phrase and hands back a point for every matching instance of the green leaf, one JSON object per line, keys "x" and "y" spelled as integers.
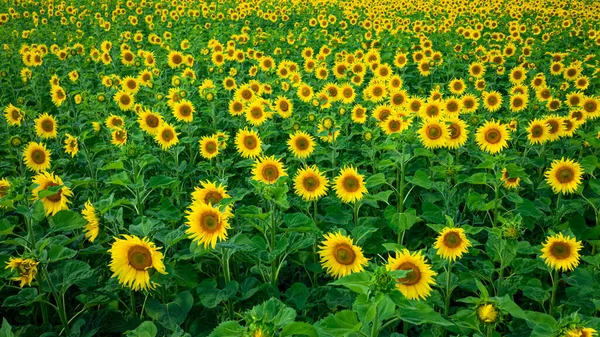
{"x": 211, "y": 296}
{"x": 161, "y": 181}
{"x": 299, "y": 222}
{"x": 297, "y": 295}
{"x": 70, "y": 272}
{"x": 507, "y": 305}
{"x": 117, "y": 165}
{"x": 228, "y": 329}
{"x": 25, "y": 297}
{"x": 5, "y": 227}
{"x": 66, "y": 220}
{"x": 38, "y": 214}
{"x": 299, "y": 328}
{"x": 172, "y": 314}
{"x": 595, "y": 186}
{"x": 146, "y": 329}
{"x": 375, "y": 180}
{"x": 57, "y": 253}
{"x": 421, "y": 179}
{"x": 6, "y": 330}
{"x": 357, "y": 282}
{"x": 480, "y": 178}
{"x": 589, "y": 164}
{"x": 50, "y": 191}
{"x": 341, "y": 324}
{"x": 120, "y": 179}
{"x": 417, "y": 312}
{"x": 528, "y": 208}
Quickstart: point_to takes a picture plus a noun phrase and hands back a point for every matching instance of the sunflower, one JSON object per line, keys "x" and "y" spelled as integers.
{"x": 487, "y": 313}
{"x": 119, "y": 137}
{"x": 13, "y": 115}
{"x": 4, "y": 188}
{"x": 492, "y": 101}
{"x": 209, "y": 146}
{"x": 248, "y": 143}
{"x": 416, "y": 284}
{"x": 91, "y": 229}
{"x": 284, "y": 107}
{"x": 255, "y": 113}
{"x": 268, "y": 170}
{"x": 27, "y": 269}
{"x": 452, "y": 243}
{"x": 305, "y": 92}
{"x": 518, "y": 102}
{"x": 331, "y": 134}
{"x": 45, "y": 126}
{"x": 125, "y": 100}
{"x": 458, "y": 133}
{"x": 537, "y": 131}
{"x": 457, "y": 86}
{"x": 114, "y": 122}
{"x": 206, "y": 224}
{"x": 130, "y": 84}
{"x": 175, "y": 59}
{"x": 591, "y": 106}
{"x": 349, "y": 185}
{"x": 517, "y": 75}
{"x": 492, "y": 137}
{"x": 131, "y": 258}
{"x": 394, "y": 125}
{"x": 339, "y": 255}
{"x": 166, "y": 136}
{"x": 347, "y": 94}
{"x": 211, "y": 193}
{"x": 36, "y": 157}
{"x": 561, "y": 252}
{"x": 58, "y": 201}
{"x": 71, "y": 145}
{"x": 556, "y": 127}
{"x": 564, "y": 176}
{"x": 310, "y": 183}
{"x": 301, "y": 144}
{"x": 183, "y": 110}
{"x": 58, "y": 95}
{"x": 434, "y": 134}
{"x": 508, "y": 181}
{"x": 476, "y": 69}
{"x": 359, "y": 114}
{"x": 431, "y": 110}
{"x": 150, "y": 121}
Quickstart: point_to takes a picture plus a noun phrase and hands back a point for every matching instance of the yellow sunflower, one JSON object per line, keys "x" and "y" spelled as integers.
{"x": 349, "y": 185}
{"x": 212, "y": 193}
{"x": 114, "y": 122}
{"x": 537, "y": 131}
{"x": 175, "y": 59}
{"x": 27, "y": 269}
{"x": 417, "y": 282}
{"x": 487, "y": 313}
{"x": 184, "y": 110}
{"x": 130, "y": 84}
{"x": 119, "y": 137}
{"x": 209, "y": 146}
{"x": 248, "y": 143}
{"x": 492, "y": 101}
{"x": 268, "y": 170}
{"x": 150, "y": 121}
{"x": 284, "y": 107}
{"x": 310, "y": 183}
{"x": 14, "y": 116}
{"x": 340, "y": 257}
{"x": 452, "y": 243}
{"x": 125, "y": 100}
{"x": 58, "y": 95}
{"x": 509, "y": 182}
{"x": 434, "y": 134}
{"x": 92, "y": 228}
{"x": 166, "y": 136}
{"x": 564, "y": 176}
{"x": 206, "y": 224}
{"x": 394, "y": 125}
{"x": 36, "y": 157}
{"x": 131, "y": 259}
{"x": 561, "y": 252}
{"x": 45, "y": 126}
{"x": 4, "y": 187}
{"x": 255, "y": 113}
{"x": 301, "y": 144}
{"x": 58, "y": 201}
{"x": 458, "y": 133}
{"x": 359, "y": 114}
{"x": 71, "y": 145}
{"x": 492, "y": 137}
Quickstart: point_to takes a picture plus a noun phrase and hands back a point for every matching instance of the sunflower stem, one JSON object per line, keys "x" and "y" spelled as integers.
{"x": 554, "y": 277}
{"x": 316, "y": 239}
{"x": 448, "y": 290}
{"x": 374, "y": 330}
{"x": 355, "y": 213}
{"x": 273, "y": 238}
{"x": 490, "y": 330}
{"x": 496, "y": 204}
{"x": 400, "y": 191}
{"x": 227, "y": 275}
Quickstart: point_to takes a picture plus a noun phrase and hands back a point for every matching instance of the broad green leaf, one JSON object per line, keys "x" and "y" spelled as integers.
{"x": 299, "y": 328}
{"x": 57, "y": 253}
{"x": 117, "y": 165}
{"x": 357, "y": 282}
{"x": 375, "y": 180}
{"x": 211, "y": 296}
{"x": 6, "y": 330}
{"x": 172, "y": 314}
{"x": 421, "y": 179}
{"x": 161, "y": 181}
{"x": 299, "y": 222}
{"x": 341, "y": 324}
{"x": 228, "y": 329}
{"x": 66, "y": 220}
{"x": 25, "y": 297}
{"x": 146, "y": 329}
{"x": 297, "y": 295}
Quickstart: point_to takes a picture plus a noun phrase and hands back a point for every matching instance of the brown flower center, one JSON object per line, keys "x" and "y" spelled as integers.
{"x": 560, "y": 250}
{"x": 47, "y": 125}
{"x": 565, "y": 175}
{"x": 213, "y": 197}
{"x": 493, "y": 136}
{"x": 152, "y": 121}
{"x": 433, "y": 132}
{"x": 210, "y": 147}
{"x": 250, "y": 142}
{"x": 413, "y": 276}
{"x": 351, "y": 184}
{"x": 185, "y": 110}
{"x": 38, "y": 156}
{"x": 177, "y": 59}
{"x": 310, "y": 183}
{"x": 139, "y": 257}
{"x": 455, "y": 131}
{"x": 209, "y": 222}
{"x": 270, "y": 172}
{"x": 344, "y": 254}
{"x": 452, "y": 240}
{"x": 56, "y": 197}
{"x": 537, "y": 131}
{"x": 125, "y": 99}
{"x": 302, "y": 143}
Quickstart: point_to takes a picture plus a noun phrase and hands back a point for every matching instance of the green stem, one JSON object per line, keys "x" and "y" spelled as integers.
{"x": 496, "y": 204}
{"x": 500, "y": 276}
{"x": 355, "y": 213}
{"x": 227, "y": 275}
{"x": 405, "y": 328}
{"x": 554, "y": 277}
{"x": 374, "y": 330}
{"x": 31, "y": 234}
{"x": 60, "y": 303}
{"x": 273, "y": 238}
{"x": 490, "y": 330}
{"x": 400, "y": 190}
{"x": 143, "y": 306}
{"x": 448, "y": 290}
{"x": 315, "y": 242}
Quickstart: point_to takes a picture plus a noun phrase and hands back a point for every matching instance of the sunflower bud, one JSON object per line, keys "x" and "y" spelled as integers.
{"x": 16, "y": 141}
{"x": 487, "y": 313}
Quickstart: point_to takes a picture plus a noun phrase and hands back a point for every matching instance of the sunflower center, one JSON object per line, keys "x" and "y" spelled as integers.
{"x": 394, "y": 125}
{"x": 125, "y": 99}
{"x": 139, "y": 258}
{"x": 211, "y": 147}
{"x": 344, "y": 254}
{"x": 468, "y": 103}
{"x": 152, "y": 121}
{"x": 250, "y": 142}
{"x": 177, "y": 59}
{"x": 302, "y": 143}
{"x": 120, "y": 135}
{"x": 131, "y": 84}
{"x": 55, "y": 197}
{"x": 492, "y": 100}
{"x": 384, "y": 115}
{"x": 537, "y": 131}
{"x": 590, "y": 106}
{"x": 560, "y": 250}
{"x": 167, "y": 135}
{"x": 413, "y": 276}
{"x": 452, "y": 240}
{"x": 16, "y": 115}
{"x": 60, "y": 94}
{"x": 347, "y": 93}
{"x": 284, "y": 106}
{"x": 452, "y": 107}
{"x": 553, "y": 126}
{"x": 213, "y": 198}
{"x": 256, "y": 112}
{"x": 270, "y": 172}
{"x": 47, "y": 125}
{"x": 310, "y": 183}
{"x": 377, "y": 91}
{"x": 128, "y": 57}
{"x": 434, "y": 132}
{"x": 351, "y": 184}
{"x": 38, "y": 156}
{"x": 493, "y": 136}
{"x": 185, "y": 111}
{"x": 454, "y": 131}
{"x": 565, "y": 175}
{"x": 517, "y": 75}
{"x": 517, "y": 103}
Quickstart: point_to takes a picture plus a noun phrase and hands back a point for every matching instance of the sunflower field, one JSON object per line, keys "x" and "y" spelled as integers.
{"x": 320, "y": 168}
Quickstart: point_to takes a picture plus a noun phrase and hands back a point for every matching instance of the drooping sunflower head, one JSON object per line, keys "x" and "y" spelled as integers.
{"x": 301, "y": 144}
{"x": 248, "y": 143}
{"x": 419, "y": 278}
{"x": 340, "y": 257}
{"x": 492, "y": 137}
{"x": 268, "y": 170}
{"x": 92, "y": 228}
{"x": 71, "y": 145}
{"x": 349, "y": 185}
{"x": 55, "y": 202}
{"x": 452, "y": 243}
{"x": 564, "y": 176}
{"x": 131, "y": 258}
{"x": 119, "y": 137}
{"x": 561, "y": 253}
{"x": 4, "y": 187}
{"x": 206, "y": 224}
{"x": 36, "y": 157}
{"x": 310, "y": 184}
{"x": 508, "y": 181}
{"x": 166, "y": 136}
{"x": 26, "y": 269}
{"x": 209, "y": 146}
{"x": 58, "y": 95}
{"x": 434, "y": 134}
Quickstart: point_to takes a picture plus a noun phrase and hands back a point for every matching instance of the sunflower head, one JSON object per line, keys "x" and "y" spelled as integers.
{"x": 206, "y": 224}
{"x": 564, "y": 176}
{"x": 310, "y": 183}
{"x": 419, "y": 277}
{"x": 36, "y": 157}
{"x": 561, "y": 252}
{"x": 166, "y": 136}
{"x": 487, "y": 313}
{"x": 301, "y": 144}
{"x": 452, "y": 243}
{"x": 131, "y": 260}
{"x": 268, "y": 170}
{"x": 248, "y": 143}
{"x": 209, "y": 146}
{"x": 339, "y": 255}
{"x": 26, "y": 269}
{"x": 349, "y": 185}
{"x": 492, "y": 137}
